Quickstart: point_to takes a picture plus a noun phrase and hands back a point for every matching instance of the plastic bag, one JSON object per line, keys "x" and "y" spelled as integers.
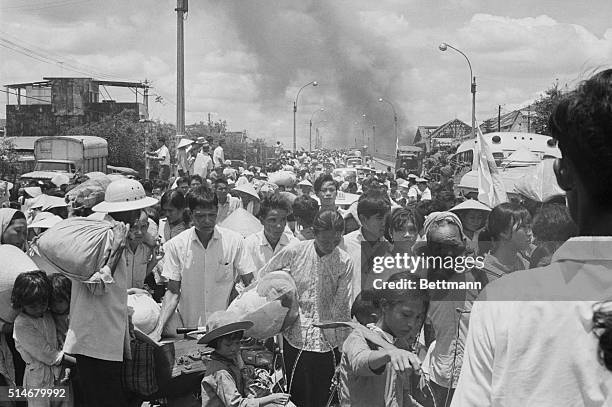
{"x": 146, "y": 312}
{"x": 80, "y": 247}
{"x": 539, "y": 182}
{"x": 271, "y": 304}
{"x": 14, "y": 262}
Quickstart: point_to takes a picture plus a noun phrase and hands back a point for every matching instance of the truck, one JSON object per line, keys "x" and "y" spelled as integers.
{"x": 69, "y": 155}
{"x": 410, "y": 158}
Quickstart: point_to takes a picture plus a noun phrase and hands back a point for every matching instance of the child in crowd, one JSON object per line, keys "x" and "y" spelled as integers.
{"x": 60, "y": 304}
{"x": 35, "y": 334}
{"x": 224, "y": 383}
{"x": 305, "y": 208}
{"x": 374, "y": 371}
{"x": 363, "y": 310}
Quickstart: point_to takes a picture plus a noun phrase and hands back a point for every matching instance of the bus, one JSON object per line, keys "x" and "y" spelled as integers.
{"x": 503, "y": 144}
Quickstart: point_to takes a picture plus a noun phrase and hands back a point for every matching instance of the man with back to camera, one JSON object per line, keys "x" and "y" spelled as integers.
{"x": 219, "y": 156}
{"x": 162, "y": 154}
{"x": 531, "y": 340}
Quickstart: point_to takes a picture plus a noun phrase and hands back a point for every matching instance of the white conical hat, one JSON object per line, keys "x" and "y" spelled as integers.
{"x": 184, "y": 143}
{"x": 247, "y": 188}
{"x": 471, "y": 204}
{"x": 243, "y": 222}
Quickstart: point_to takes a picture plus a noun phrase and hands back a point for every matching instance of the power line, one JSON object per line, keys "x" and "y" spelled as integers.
{"x": 58, "y": 57}
{"x": 41, "y": 6}
{"x": 25, "y": 96}
{"x": 48, "y": 56}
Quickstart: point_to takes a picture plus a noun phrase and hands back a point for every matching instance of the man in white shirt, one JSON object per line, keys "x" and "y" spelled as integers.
{"x": 413, "y": 191}
{"x": 262, "y": 245}
{"x": 203, "y": 163}
{"x": 532, "y": 340}
{"x": 424, "y": 189}
{"x": 226, "y": 203}
{"x": 201, "y": 265}
{"x": 162, "y": 154}
{"x": 218, "y": 155}
{"x": 368, "y": 241}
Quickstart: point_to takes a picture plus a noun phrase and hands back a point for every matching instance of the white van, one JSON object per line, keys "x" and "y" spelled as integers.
{"x": 505, "y": 143}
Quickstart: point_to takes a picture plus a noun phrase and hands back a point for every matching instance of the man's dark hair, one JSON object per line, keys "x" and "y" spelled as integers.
{"x": 305, "y": 209}
{"x": 196, "y": 177}
{"x": 323, "y": 178}
{"x": 372, "y": 203}
{"x": 147, "y": 185}
{"x": 582, "y": 124}
{"x": 202, "y": 197}
{"x": 553, "y": 223}
{"x": 273, "y": 202}
{"x": 221, "y": 180}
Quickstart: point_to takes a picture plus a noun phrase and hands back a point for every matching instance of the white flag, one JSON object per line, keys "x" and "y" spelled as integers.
{"x": 491, "y": 189}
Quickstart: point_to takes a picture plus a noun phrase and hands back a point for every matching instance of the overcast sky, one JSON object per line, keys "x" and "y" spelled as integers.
{"x": 245, "y": 59}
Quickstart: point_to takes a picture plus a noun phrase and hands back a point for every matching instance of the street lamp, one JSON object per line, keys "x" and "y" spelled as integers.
{"x": 310, "y": 131}
{"x": 394, "y": 119}
{"x": 373, "y": 132}
{"x": 313, "y": 83}
{"x": 443, "y": 47}
{"x": 318, "y": 139}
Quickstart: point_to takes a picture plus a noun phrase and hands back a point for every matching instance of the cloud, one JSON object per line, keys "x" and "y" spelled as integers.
{"x": 246, "y": 60}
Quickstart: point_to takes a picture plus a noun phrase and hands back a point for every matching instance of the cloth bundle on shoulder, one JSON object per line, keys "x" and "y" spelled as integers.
{"x": 79, "y": 247}
{"x": 282, "y": 178}
{"x": 270, "y": 303}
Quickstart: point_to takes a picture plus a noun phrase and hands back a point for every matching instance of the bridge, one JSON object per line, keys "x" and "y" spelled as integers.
{"x": 381, "y": 161}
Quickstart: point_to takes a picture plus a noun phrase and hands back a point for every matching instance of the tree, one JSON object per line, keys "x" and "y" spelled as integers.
{"x": 543, "y": 108}
{"x": 8, "y": 158}
{"x": 127, "y": 138}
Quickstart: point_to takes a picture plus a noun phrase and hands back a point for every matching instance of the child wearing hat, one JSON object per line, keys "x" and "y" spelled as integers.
{"x": 224, "y": 384}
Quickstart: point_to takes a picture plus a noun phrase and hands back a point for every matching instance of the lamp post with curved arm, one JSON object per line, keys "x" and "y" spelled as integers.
{"x": 313, "y": 83}
{"x": 310, "y": 131}
{"x": 394, "y": 119}
{"x": 373, "y": 132}
{"x": 443, "y": 47}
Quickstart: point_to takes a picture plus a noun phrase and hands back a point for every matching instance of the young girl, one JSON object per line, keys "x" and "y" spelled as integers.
{"x": 473, "y": 215}
{"x": 59, "y": 304}
{"x": 35, "y": 334}
{"x": 508, "y": 236}
{"x": 224, "y": 384}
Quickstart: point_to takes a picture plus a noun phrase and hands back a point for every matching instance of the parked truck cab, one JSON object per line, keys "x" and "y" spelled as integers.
{"x": 69, "y": 155}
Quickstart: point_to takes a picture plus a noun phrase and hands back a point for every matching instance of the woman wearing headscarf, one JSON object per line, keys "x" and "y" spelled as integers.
{"x": 13, "y": 228}
{"x": 14, "y": 232}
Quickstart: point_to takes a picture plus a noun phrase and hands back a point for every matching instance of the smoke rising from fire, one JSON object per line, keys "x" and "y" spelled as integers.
{"x": 327, "y": 41}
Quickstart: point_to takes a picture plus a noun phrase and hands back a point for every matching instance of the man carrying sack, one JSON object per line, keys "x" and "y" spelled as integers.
{"x": 98, "y": 334}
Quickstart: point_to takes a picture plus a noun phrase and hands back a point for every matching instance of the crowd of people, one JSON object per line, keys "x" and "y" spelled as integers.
{"x": 532, "y": 328}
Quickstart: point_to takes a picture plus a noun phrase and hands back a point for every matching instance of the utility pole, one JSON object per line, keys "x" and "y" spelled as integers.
{"x": 528, "y": 119}
{"x": 499, "y": 118}
{"x": 146, "y": 96}
{"x": 181, "y": 9}
{"x": 374, "y": 138}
